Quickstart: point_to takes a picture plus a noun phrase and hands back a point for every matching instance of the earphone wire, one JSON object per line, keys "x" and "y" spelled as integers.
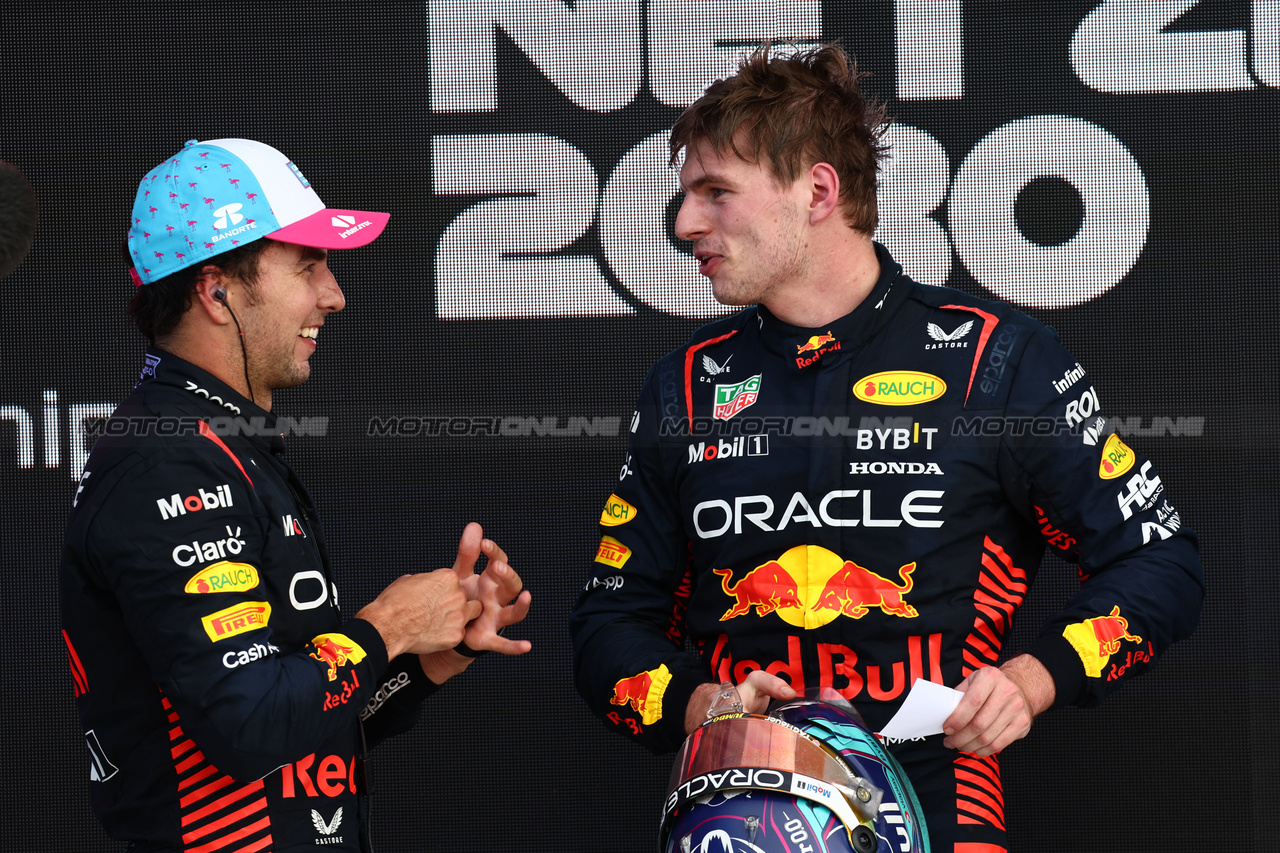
{"x": 221, "y": 296}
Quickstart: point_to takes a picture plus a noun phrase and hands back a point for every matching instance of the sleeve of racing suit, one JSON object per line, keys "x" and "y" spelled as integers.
{"x": 281, "y": 702}
{"x": 397, "y": 699}
{"x": 627, "y": 625}
{"x": 1100, "y": 504}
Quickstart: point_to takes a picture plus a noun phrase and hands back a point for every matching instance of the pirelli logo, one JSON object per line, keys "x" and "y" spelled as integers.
{"x": 612, "y": 552}
{"x": 236, "y": 619}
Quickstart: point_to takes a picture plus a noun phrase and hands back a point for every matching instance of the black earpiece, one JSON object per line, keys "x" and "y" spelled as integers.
{"x": 220, "y": 294}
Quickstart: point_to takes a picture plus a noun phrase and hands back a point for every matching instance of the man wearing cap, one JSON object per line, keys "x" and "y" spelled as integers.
{"x": 226, "y": 703}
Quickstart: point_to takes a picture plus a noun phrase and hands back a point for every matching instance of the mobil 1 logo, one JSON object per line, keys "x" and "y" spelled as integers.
{"x": 734, "y": 448}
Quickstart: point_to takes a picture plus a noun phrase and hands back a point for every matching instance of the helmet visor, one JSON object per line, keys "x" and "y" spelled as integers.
{"x": 761, "y": 753}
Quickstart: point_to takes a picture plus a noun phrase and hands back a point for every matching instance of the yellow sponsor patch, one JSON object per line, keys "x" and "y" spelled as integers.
{"x": 612, "y": 552}
{"x": 223, "y": 576}
{"x": 616, "y": 511}
{"x": 236, "y": 619}
{"x": 899, "y": 388}
{"x": 643, "y": 692}
{"x": 1097, "y": 639}
{"x": 1117, "y": 458}
{"x": 335, "y": 650}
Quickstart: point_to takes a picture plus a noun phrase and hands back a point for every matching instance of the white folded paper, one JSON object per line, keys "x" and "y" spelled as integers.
{"x": 923, "y": 712}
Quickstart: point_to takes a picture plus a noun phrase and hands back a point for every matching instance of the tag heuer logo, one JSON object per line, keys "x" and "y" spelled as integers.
{"x": 731, "y": 399}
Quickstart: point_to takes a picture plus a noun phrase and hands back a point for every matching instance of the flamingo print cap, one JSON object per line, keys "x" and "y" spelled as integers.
{"x": 213, "y": 196}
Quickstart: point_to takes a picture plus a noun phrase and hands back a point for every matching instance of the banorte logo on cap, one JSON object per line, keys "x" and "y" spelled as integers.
{"x": 809, "y": 586}
{"x": 193, "y": 206}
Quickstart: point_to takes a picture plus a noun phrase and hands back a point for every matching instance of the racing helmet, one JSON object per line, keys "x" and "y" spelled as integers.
{"x": 808, "y": 777}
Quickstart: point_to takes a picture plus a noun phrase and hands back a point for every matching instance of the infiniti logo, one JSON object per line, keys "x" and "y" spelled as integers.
{"x": 229, "y": 211}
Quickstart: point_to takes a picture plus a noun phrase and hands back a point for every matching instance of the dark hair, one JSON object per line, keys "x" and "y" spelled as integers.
{"x": 798, "y": 109}
{"x": 18, "y": 216}
{"x": 157, "y": 308}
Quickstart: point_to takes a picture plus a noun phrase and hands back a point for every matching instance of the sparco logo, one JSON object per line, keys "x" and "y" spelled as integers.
{"x": 993, "y": 373}
{"x": 385, "y": 692}
{"x": 176, "y": 505}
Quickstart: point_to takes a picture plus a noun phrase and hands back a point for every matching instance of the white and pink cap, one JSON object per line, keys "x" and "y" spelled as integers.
{"x": 213, "y": 196}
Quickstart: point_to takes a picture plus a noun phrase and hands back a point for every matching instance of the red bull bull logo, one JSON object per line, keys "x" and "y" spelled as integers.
{"x": 854, "y": 590}
{"x": 336, "y": 650}
{"x": 766, "y": 588}
{"x": 643, "y": 692}
{"x": 815, "y": 343}
{"x": 1098, "y": 638}
{"x": 809, "y": 586}
{"x": 819, "y": 345}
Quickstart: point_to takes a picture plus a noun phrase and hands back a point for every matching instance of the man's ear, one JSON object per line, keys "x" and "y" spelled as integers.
{"x": 824, "y": 189}
{"x": 211, "y": 295}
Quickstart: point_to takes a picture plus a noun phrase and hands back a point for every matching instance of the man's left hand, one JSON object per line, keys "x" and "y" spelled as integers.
{"x": 998, "y": 706}
{"x": 499, "y": 589}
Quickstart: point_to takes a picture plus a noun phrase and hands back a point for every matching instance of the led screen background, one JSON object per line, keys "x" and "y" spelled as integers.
{"x": 527, "y": 281}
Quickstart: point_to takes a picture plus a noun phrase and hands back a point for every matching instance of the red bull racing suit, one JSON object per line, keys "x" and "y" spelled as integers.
{"x": 865, "y": 504}
{"x": 222, "y": 694}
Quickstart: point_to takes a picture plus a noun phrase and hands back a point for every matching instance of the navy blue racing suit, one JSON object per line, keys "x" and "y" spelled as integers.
{"x": 865, "y": 504}
{"x": 222, "y": 694}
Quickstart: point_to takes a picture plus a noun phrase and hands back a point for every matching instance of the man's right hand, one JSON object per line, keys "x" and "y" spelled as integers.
{"x": 755, "y": 691}
{"x": 422, "y": 613}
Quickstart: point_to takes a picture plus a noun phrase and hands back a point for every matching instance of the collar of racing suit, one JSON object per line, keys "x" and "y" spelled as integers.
{"x": 206, "y": 396}
{"x": 809, "y": 348}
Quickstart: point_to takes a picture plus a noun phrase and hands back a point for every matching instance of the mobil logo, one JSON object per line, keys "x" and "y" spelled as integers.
{"x": 809, "y": 586}
{"x": 176, "y": 505}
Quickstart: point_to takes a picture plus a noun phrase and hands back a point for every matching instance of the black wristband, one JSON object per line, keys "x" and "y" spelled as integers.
{"x": 465, "y": 650}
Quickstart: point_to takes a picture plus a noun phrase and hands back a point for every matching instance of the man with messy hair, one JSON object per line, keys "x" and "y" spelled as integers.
{"x": 805, "y": 502}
